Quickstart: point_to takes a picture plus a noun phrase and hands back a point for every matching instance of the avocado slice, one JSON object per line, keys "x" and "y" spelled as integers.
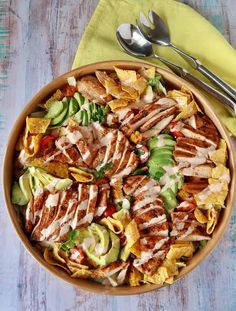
{"x": 24, "y": 183}
{"x": 61, "y": 117}
{"x": 79, "y": 98}
{"x": 156, "y": 172}
{"x": 103, "y": 238}
{"x": 161, "y": 152}
{"x": 161, "y": 161}
{"x": 85, "y": 118}
{"x": 55, "y": 109}
{"x": 167, "y": 140}
{"x": 17, "y": 195}
{"x": 73, "y": 107}
{"x": 169, "y": 199}
{"x": 113, "y": 253}
{"x": 63, "y": 184}
{"x": 79, "y": 116}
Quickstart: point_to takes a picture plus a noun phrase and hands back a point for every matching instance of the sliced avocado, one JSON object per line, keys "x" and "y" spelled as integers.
{"x": 161, "y": 161}
{"x": 60, "y": 118}
{"x": 161, "y": 152}
{"x": 85, "y": 118}
{"x": 79, "y": 116}
{"x": 73, "y": 107}
{"x": 24, "y": 182}
{"x": 156, "y": 172}
{"x": 63, "y": 184}
{"x": 166, "y": 139}
{"x": 113, "y": 253}
{"x": 79, "y": 98}
{"x": 17, "y": 195}
{"x": 169, "y": 199}
{"x": 55, "y": 109}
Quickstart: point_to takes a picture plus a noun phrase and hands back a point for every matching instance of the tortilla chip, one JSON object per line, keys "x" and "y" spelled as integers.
{"x": 212, "y": 216}
{"x": 136, "y": 137}
{"x": 82, "y": 274}
{"x": 123, "y": 216}
{"x": 37, "y": 125}
{"x": 180, "y": 250}
{"x": 126, "y": 77}
{"x": 135, "y": 249}
{"x": 112, "y": 224}
{"x": 55, "y": 168}
{"x": 117, "y": 104}
{"x": 31, "y": 143}
{"x": 56, "y": 96}
{"x": 148, "y": 73}
{"x": 158, "y": 278}
{"x": 49, "y": 258}
{"x": 132, "y": 233}
{"x": 199, "y": 215}
{"x": 187, "y": 111}
{"x": 135, "y": 277}
{"x": 221, "y": 172}
{"x": 182, "y": 98}
{"x": 80, "y": 175}
{"x": 219, "y": 156}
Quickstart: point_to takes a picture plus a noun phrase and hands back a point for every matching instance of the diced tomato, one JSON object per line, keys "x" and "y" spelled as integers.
{"x": 101, "y": 181}
{"x": 69, "y": 90}
{"x": 175, "y": 133}
{"x": 111, "y": 209}
{"x": 47, "y": 142}
{"x": 77, "y": 254}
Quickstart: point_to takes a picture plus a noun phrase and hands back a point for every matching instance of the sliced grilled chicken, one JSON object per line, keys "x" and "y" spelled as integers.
{"x": 91, "y": 88}
{"x": 156, "y": 129}
{"x": 151, "y": 115}
{"x": 185, "y": 227}
{"x": 63, "y": 151}
{"x": 153, "y": 252}
{"x": 50, "y": 216}
{"x": 195, "y": 186}
{"x": 202, "y": 171}
{"x": 148, "y": 212}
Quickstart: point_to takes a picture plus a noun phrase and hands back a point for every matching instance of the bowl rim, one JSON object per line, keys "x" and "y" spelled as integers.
{"x": 7, "y": 180}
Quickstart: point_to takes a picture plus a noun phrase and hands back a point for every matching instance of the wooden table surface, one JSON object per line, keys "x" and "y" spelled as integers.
{"x": 38, "y": 40}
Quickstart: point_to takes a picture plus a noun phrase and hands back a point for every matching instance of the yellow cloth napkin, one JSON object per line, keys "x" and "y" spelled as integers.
{"x": 189, "y": 31}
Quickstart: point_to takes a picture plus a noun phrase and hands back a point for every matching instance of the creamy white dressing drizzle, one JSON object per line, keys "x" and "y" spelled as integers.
{"x": 152, "y": 221}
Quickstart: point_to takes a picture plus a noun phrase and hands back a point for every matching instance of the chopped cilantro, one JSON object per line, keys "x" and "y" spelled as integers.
{"x": 101, "y": 172}
{"x": 70, "y": 241}
{"x": 99, "y": 115}
{"x": 139, "y": 152}
{"x": 154, "y": 81}
{"x": 157, "y": 84}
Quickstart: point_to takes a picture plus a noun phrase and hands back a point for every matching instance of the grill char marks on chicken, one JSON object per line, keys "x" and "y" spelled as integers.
{"x": 185, "y": 227}
{"x": 148, "y": 212}
{"x": 104, "y": 146}
{"x": 200, "y": 138}
{"x": 50, "y": 216}
{"x": 152, "y": 118}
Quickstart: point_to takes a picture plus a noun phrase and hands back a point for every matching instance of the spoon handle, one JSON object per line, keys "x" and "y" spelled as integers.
{"x": 228, "y": 102}
{"x": 196, "y": 64}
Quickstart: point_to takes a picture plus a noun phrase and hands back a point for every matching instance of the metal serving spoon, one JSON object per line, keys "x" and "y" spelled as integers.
{"x": 155, "y": 30}
{"x": 132, "y": 41}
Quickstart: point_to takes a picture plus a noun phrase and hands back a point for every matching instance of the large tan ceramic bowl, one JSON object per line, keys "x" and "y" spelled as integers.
{"x": 45, "y": 93}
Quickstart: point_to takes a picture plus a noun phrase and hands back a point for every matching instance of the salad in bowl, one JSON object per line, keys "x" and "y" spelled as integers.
{"x": 120, "y": 178}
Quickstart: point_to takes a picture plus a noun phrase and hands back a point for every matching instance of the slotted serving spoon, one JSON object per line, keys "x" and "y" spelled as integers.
{"x": 155, "y": 30}
{"x": 132, "y": 41}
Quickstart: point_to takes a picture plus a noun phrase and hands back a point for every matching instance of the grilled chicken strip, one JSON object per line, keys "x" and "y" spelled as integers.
{"x": 148, "y": 212}
{"x": 185, "y": 227}
{"x": 50, "y": 216}
{"x": 152, "y": 118}
{"x": 91, "y": 88}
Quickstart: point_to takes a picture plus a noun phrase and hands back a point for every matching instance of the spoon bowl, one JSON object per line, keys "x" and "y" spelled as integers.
{"x": 132, "y": 41}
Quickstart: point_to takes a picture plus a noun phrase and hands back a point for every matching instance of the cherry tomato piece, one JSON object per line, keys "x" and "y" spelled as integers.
{"x": 69, "y": 90}
{"x": 111, "y": 209}
{"x": 47, "y": 141}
